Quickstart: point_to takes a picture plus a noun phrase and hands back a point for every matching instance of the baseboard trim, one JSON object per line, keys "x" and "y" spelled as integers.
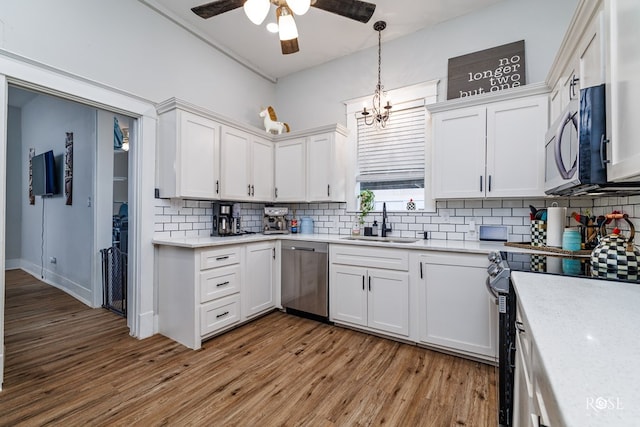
{"x": 66, "y": 285}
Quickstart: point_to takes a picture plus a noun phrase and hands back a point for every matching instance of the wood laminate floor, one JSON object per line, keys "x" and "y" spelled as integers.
{"x": 67, "y": 364}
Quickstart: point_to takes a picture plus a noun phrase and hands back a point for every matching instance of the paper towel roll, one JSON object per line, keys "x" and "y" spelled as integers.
{"x": 556, "y": 218}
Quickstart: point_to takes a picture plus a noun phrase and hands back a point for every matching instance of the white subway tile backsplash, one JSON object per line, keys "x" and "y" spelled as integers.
{"x": 178, "y": 218}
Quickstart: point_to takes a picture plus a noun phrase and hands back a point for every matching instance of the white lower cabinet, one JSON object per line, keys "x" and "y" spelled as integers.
{"x": 369, "y": 297}
{"x": 455, "y": 312}
{"x": 259, "y": 293}
{"x": 533, "y": 404}
{"x": 205, "y": 291}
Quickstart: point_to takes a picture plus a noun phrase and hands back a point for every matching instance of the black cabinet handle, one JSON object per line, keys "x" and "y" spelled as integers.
{"x": 222, "y": 315}
{"x": 328, "y": 190}
{"x": 421, "y": 276}
{"x": 222, "y": 284}
{"x": 222, "y": 258}
{"x": 489, "y": 183}
{"x": 572, "y": 87}
{"x": 480, "y": 183}
{"x": 253, "y": 192}
{"x": 274, "y": 253}
{"x": 363, "y": 283}
{"x": 248, "y": 190}
{"x": 217, "y": 187}
{"x": 276, "y": 191}
{"x": 369, "y": 283}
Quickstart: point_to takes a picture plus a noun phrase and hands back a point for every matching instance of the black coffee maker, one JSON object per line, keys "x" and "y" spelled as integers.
{"x": 224, "y": 224}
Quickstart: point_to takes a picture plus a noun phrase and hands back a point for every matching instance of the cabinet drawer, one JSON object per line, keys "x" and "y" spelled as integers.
{"x": 390, "y": 259}
{"x": 218, "y": 314}
{"x": 219, "y": 257}
{"x": 219, "y": 282}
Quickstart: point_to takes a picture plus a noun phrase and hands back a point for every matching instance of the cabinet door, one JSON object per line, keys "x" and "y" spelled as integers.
{"x": 262, "y": 170}
{"x": 235, "y": 149}
{"x": 388, "y": 301}
{"x": 197, "y": 163}
{"x": 623, "y": 91}
{"x": 515, "y": 147}
{"x": 322, "y": 169}
{"x": 459, "y": 153}
{"x": 258, "y": 292}
{"x": 290, "y": 171}
{"x": 523, "y": 389}
{"x": 591, "y": 54}
{"x": 348, "y": 295}
{"x": 455, "y": 309}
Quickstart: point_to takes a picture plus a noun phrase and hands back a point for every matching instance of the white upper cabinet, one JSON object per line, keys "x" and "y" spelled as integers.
{"x": 623, "y": 91}
{"x": 493, "y": 149}
{"x": 188, "y": 156}
{"x": 246, "y": 166}
{"x": 459, "y": 153}
{"x": 311, "y": 167}
{"x": 326, "y": 167}
{"x": 290, "y": 170}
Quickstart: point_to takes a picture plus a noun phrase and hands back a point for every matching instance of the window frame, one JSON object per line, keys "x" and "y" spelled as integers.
{"x": 426, "y": 92}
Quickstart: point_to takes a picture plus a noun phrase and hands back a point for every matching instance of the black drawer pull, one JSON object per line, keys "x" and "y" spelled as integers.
{"x": 222, "y": 315}
{"x": 222, "y": 258}
{"x": 223, "y": 283}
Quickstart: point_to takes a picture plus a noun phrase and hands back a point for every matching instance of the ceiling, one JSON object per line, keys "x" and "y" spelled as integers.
{"x": 323, "y": 36}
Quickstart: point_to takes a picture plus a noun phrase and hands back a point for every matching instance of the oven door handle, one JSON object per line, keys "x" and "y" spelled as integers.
{"x": 492, "y": 291}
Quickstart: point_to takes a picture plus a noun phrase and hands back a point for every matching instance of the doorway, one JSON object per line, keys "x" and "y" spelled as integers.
{"x": 29, "y": 74}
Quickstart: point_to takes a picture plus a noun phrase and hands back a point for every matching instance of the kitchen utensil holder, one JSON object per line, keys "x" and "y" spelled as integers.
{"x": 538, "y": 233}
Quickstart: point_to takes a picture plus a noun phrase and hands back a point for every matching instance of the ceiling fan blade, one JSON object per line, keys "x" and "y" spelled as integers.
{"x": 289, "y": 46}
{"x": 352, "y": 9}
{"x": 216, "y": 8}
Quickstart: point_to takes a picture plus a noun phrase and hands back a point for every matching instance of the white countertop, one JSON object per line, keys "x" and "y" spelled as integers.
{"x": 440, "y": 245}
{"x": 586, "y": 333}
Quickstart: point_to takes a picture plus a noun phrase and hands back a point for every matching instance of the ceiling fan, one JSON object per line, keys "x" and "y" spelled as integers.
{"x": 257, "y": 11}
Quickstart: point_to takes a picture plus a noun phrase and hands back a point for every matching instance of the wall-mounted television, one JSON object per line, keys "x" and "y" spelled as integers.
{"x": 43, "y": 174}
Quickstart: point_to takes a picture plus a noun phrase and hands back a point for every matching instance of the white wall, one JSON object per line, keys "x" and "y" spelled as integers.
{"x": 13, "y": 241}
{"x": 124, "y": 44}
{"x": 68, "y": 232}
{"x": 314, "y": 97}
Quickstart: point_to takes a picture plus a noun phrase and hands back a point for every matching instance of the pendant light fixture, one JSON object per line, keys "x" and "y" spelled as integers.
{"x": 379, "y": 114}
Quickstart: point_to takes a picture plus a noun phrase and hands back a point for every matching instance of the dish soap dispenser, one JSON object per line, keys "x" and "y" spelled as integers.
{"x": 374, "y": 228}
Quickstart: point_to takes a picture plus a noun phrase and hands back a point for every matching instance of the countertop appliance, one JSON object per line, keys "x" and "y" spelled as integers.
{"x": 499, "y": 285}
{"x": 576, "y": 149}
{"x": 305, "y": 285}
{"x": 225, "y": 222}
{"x": 274, "y": 221}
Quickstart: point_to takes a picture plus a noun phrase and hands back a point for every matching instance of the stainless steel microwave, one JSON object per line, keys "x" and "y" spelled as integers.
{"x": 576, "y": 149}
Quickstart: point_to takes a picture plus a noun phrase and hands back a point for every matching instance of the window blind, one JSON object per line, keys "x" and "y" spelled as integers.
{"x": 396, "y": 152}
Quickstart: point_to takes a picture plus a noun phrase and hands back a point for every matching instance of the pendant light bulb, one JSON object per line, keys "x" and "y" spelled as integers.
{"x": 299, "y": 7}
{"x": 286, "y": 24}
{"x": 256, "y": 10}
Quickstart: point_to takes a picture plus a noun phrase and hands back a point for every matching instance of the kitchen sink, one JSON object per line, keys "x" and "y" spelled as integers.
{"x": 381, "y": 239}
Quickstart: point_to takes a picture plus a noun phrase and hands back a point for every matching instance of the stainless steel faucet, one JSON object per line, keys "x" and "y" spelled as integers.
{"x": 385, "y": 227}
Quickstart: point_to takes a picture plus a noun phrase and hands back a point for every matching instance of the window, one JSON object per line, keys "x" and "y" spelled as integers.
{"x": 391, "y": 160}
{"x": 394, "y": 162}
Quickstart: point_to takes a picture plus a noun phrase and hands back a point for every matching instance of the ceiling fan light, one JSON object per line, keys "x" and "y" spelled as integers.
{"x": 287, "y": 25}
{"x": 272, "y": 27}
{"x": 299, "y": 7}
{"x": 256, "y": 10}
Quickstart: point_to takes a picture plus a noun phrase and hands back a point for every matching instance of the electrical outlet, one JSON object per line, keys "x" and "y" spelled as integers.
{"x": 53, "y": 260}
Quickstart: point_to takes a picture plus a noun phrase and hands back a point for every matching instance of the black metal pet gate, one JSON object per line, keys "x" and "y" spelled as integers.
{"x": 114, "y": 280}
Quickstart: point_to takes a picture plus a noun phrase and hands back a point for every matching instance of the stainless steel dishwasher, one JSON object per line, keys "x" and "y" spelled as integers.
{"x": 305, "y": 272}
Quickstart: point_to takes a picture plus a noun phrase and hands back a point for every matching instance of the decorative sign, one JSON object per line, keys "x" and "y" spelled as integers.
{"x": 488, "y": 70}
{"x": 68, "y": 168}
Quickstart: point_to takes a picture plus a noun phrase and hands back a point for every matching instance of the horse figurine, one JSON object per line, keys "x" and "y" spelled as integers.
{"x": 271, "y": 123}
